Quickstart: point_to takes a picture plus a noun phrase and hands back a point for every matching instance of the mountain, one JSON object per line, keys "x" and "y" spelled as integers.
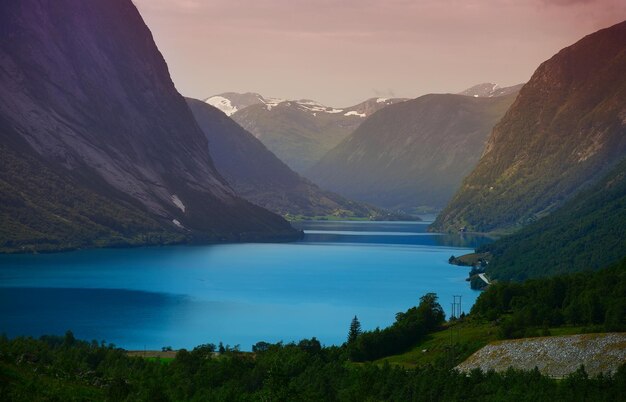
{"x": 260, "y": 177}
{"x": 231, "y": 102}
{"x": 412, "y": 154}
{"x": 300, "y": 132}
{"x": 89, "y": 117}
{"x": 489, "y": 90}
{"x": 566, "y": 129}
{"x": 586, "y": 233}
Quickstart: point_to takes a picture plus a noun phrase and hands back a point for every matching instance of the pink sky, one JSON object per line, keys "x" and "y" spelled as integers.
{"x": 342, "y": 52}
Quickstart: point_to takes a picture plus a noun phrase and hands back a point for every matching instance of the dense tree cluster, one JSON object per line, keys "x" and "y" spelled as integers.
{"x": 595, "y": 299}
{"x": 57, "y": 368}
{"x": 407, "y": 330}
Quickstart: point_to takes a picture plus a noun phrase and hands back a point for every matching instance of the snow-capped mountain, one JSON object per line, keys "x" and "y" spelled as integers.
{"x": 299, "y": 131}
{"x": 231, "y": 102}
{"x": 490, "y": 90}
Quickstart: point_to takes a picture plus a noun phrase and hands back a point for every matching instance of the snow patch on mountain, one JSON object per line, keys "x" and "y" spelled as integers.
{"x": 178, "y": 202}
{"x": 222, "y": 104}
{"x": 271, "y": 102}
{"x": 315, "y": 107}
{"x": 354, "y": 113}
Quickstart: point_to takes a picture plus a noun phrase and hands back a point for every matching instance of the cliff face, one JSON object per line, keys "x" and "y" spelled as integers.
{"x": 85, "y": 91}
{"x": 414, "y": 153}
{"x": 566, "y": 129}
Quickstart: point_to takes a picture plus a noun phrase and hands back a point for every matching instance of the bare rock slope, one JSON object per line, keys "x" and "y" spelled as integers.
{"x": 555, "y": 356}
{"x": 85, "y": 92}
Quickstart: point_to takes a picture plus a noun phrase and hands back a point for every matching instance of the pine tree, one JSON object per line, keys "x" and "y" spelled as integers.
{"x": 355, "y": 330}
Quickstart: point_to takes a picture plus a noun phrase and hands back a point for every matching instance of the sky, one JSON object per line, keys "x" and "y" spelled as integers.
{"x": 343, "y": 52}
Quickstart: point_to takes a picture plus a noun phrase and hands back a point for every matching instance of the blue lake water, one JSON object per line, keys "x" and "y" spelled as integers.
{"x": 183, "y": 296}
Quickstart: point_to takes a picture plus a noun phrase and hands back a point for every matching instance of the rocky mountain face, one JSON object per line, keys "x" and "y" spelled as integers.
{"x": 260, "y": 177}
{"x": 86, "y": 95}
{"x": 300, "y": 132}
{"x": 566, "y": 130}
{"x": 489, "y": 90}
{"x": 412, "y": 154}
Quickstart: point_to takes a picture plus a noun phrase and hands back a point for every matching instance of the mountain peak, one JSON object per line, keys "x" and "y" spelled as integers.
{"x": 490, "y": 90}
{"x": 564, "y": 131}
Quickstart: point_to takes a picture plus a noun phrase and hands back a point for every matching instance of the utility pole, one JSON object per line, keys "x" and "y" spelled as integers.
{"x": 455, "y": 313}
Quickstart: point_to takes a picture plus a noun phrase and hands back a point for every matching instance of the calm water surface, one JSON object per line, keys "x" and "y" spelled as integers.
{"x": 238, "y": 293}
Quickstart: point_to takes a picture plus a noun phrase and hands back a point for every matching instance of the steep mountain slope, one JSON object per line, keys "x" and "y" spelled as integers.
{"x": 414, "y": 153}
{"x": 489, "y": 90}
{"x": 260, "y": 177}
{"x": 85, "y": 94}
{"x": 588, "y": 232}
{"x": 301, "y": 132}
{"x": 566, "y": 129}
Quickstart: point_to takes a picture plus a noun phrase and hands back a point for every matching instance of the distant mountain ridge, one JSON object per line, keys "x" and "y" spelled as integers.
{"x": 490, "y": 90}
{"x": 301, "y": 131}
{"x": 86, "y": 100}
{"x": 412, "y": 154}
{"x": 260, "y": 177}
{"x": 566, "y": 129}
{"x": 232, "y": 102}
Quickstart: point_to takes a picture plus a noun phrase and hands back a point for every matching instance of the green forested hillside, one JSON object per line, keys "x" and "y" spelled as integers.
{"x": 42, "y": 210}
{"x": 412, "y": 154}
{"x": 587, "y": 233}
{"x": 587, "y": 298}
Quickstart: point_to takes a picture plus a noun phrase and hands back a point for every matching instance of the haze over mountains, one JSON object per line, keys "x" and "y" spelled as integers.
{"x": 489, "y": 90}
{"x": 565, "y": 131}
{"x": 87, "y": 103}
{"x": 299, "y": 132}
{"x": 413, "y": 154}
{"x": 260, "y": 177}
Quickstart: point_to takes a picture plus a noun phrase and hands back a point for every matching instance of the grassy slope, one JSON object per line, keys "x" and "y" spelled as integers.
{"x": 468, "y": 337}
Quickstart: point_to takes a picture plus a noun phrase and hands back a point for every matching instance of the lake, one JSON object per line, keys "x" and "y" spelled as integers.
{"x": 182, "y": 296}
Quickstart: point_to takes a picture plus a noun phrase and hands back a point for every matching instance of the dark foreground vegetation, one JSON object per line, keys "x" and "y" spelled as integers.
{"x": 592, "y": 299}
{"x": 63, "y": 368}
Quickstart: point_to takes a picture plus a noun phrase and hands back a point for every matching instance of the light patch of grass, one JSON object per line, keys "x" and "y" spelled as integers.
{"x": 467, "y": 337}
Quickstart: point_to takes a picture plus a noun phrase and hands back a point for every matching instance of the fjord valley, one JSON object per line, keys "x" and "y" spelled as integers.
{"x": 155, "y": 246}
{"x": 414, "y": 153}
{"x": 260, "y": 177}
